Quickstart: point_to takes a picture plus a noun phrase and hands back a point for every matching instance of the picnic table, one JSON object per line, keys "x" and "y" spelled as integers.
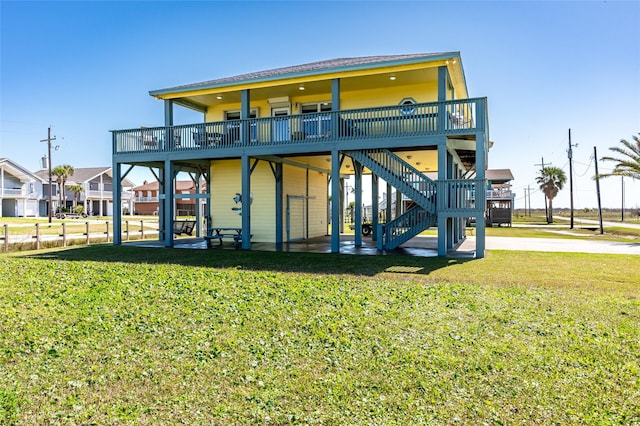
{"x": 222, "y": 233}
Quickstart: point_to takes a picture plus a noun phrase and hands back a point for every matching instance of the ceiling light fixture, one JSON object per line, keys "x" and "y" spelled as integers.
{"x": 301, "y": 87}
{"x": 219, "y": 97}
{"x": 392, "y": 77}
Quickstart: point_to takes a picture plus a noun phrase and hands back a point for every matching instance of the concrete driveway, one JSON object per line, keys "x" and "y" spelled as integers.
{"x": 553, "y": 245}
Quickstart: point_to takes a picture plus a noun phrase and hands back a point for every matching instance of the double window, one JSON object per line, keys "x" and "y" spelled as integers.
{"x": 315, "y": 121}
{"x": 233, "y": 129}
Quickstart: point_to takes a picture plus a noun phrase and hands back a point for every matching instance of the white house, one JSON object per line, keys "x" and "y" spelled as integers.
{"x": 21, "y": 191}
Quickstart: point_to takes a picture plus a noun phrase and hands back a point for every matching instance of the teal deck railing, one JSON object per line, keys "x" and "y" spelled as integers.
{"x": 458, "y": 196}
{"x": 449, "y": 117}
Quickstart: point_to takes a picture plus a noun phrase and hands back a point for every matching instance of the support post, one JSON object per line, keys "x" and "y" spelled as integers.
{"x": 279, "y": 205}
{"x": 357, "y": 167}
{"x": 246, "y": 202}
{"x": 167, "y": 218}
{"x": 442, "y": 219}
{"x": 117, "y": 204}
{"x": 374, "y": 206}
{"x": 481, "y": 194}
{"x": 335, "y": 201}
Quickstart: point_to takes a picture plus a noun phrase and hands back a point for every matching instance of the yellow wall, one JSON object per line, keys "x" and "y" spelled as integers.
{"x": 226, "y": 182}
{"x": 295, "y": 184}
{"x": 424, "y": 92}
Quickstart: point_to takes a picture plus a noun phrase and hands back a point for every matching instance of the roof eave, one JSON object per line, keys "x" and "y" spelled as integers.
{"x": 426, "y": 58}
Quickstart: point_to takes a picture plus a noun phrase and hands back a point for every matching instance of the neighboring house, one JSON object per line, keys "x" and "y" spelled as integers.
{"x": 285, "y": 139}
{"x": 146, "y": 198}
{"x": 500, "y": 198}
{"x": 97, "y": 191}
{"x": 21, "y": 192}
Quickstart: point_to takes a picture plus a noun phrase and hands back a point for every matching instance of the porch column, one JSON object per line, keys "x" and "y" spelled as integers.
{"x": 443, "y": 82}
{"x": 388, "y": 215}
{"x": 117, "y": 212}
{"x": 246, "y": 201}
{"x": 442, "y": 219}
{"x": 335, "y": 201}
{"x": 451, "y": 220}
{"x": 207, "y": 207}
{"x": 335, "y": 105}
{"x": 162, "y": 177}
{"x": 481, "y": 193}
{"x": 277, "y": 172}
{"x": 168, "y": 203}
{"x": 168, "y": 112}
{"x": 245, "y": 113}
{"x": 374, "y": 207}
{"x": 357, "y": 167}
{"x": 398, "y": 203}
{"x": 198, "y": 204}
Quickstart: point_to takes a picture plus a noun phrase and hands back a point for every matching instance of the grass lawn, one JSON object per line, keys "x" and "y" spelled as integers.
{"x": 124, "y": 335}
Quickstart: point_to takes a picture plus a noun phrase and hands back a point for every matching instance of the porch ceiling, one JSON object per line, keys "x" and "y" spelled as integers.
{"x": 320, "y": 87}
{"x": 423, "y": 160}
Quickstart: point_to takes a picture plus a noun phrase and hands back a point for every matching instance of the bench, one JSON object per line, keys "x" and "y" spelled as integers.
{"x": 183, "y": 227}
{"x": 222, "y": 233}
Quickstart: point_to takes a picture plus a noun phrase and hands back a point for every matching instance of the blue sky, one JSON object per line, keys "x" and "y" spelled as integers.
{"x": 85, "y": 67}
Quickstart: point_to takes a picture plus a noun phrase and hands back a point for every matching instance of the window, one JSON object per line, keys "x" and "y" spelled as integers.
{"x": 233, "y": 129}
{"x": 316, "y": 122}
{"x": 407, "y": 106}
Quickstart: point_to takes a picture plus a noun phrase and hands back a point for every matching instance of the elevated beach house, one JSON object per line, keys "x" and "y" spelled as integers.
{"x": 275, "y": 146}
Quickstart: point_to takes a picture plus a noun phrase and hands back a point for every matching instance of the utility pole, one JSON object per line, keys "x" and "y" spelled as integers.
{"x": 570, "y": 154}
{"x": 595, "y": 159}
{"x": 48, "y": 141}
{"x": 546, "y": 209}
{"x": 529, "y": 190}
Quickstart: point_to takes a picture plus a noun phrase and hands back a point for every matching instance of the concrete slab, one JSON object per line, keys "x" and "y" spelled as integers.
{"x": 422, "y": 245}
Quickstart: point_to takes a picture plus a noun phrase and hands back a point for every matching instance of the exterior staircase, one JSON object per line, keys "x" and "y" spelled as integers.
{"x": 410, "y": 182}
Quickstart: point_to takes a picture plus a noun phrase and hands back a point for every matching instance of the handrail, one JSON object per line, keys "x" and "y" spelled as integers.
{"x": 448, "y": 117}
{"x": 404, "y": 227}
{"x": 461, "y": 196}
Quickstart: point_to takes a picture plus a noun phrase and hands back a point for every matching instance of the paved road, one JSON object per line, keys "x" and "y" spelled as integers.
{"x": 553, "y": 245}
{"x": 580, "y": 222}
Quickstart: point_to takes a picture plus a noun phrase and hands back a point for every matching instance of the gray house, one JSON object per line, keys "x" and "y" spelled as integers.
{"x": 21, "y": 191}
{"x": 96, "y": 196}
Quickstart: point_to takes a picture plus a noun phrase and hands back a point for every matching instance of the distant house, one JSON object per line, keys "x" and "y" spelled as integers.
{"x": 146, "y": 198}
{"x": 21, "y": 191}
{"x": 97, "y": 190}
{"x": 499, "y": 197}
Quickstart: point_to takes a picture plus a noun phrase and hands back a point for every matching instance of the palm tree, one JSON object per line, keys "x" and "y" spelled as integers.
{"x": 629, "y": 163}
{"x": 62, "y": 173}
{"x": 76, "y": 189}
{"x": 551, "y": 181}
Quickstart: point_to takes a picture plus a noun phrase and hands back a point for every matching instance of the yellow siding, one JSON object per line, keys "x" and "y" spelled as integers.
{"x": 376, "y": 97}
{"x": 425, "y": 92}
{"x": 226, "y": 181}
{"x": 295, "y": 184}
{"x": 318, "y": 206}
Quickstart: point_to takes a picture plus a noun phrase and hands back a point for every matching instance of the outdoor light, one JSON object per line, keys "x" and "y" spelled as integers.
{"x": 392, "y": 77}
{"x": 301, "y": 87}
{"x": 219, "y": 97}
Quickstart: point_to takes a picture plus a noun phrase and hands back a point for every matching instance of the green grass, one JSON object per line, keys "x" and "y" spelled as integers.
{"x": 124, "y": 335}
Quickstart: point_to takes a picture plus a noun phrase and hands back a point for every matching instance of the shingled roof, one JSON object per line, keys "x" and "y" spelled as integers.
{"x": 83, "y": 174}
{"x": 309, "y": 69}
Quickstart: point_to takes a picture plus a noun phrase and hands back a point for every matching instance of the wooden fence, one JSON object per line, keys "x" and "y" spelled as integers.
{"x": 20, "y": 237}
